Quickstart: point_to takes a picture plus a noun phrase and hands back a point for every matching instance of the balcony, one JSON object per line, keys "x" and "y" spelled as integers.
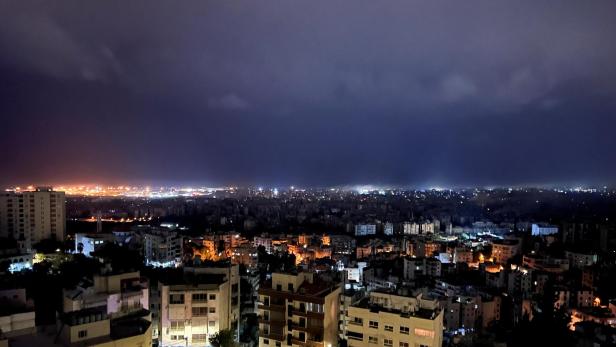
{"x": 308, "y": 343}
{"x": 270, "y": 321}
{"x": 272, "y": 336}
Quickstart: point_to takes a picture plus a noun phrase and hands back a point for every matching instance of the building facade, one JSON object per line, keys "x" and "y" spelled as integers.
{"x": 298, "y": 310}
{"x": 389, "y": 320}
{"x": 32, "y": 216}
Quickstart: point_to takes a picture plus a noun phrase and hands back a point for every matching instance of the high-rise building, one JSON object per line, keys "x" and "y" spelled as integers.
{"x": 32, "y": 216}
{"x": 298, "y": 310}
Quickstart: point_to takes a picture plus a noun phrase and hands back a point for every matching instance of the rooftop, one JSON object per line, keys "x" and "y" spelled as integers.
{"x": 421, "y": 313}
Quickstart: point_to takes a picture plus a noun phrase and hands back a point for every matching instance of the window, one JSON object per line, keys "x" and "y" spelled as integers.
{"x": 388, "y": 342}
{"x": 404, "y": 330}
{"x": 404, "y": 344}
{"x": 278, "y": 344}
{"x": 212, "y": 309}
{"x": 199, "y": 297}
{"x": 199, "y": 337}
{"x": 265, "y": 341}
{"x": 357, "y": 321}
{"x": 199, "y": 311}
{"x": 176, "y": 299}
{"x": 355, "y": 336}
{"x": 176, "y": 325}
{"x": 82, "y": 333}
{"x": 212, "y": 323}
{"x": 389, "y": 327}
{"x": 177, "y": 337}
{"x": 424, "y": 333}
{"x": 212, "y": 296}
{"x": 290, "y": 287}
{"x": 373, "y": 339}
{"x": 373, "y": 324}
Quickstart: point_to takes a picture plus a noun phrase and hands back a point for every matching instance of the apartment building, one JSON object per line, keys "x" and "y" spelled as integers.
{"x": 119, "y": 294}
{"x": 32, "y": 216}
{"x": 17, "y": 314}
{"x": 198, "y": 303}
{"x": 94, "y": 327}
{"x": 503, "y": 250}
{"x": 162, "y": 247}
{"x": 298, "y": 310}
{"x": 389, "y": 320}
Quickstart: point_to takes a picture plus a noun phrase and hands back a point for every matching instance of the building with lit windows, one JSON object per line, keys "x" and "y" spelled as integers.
{"x": 298, "y": 310}
{"x": 503, "y": 250}
{"x": 33, "y": 215}
{"x": 198, "y": 303}
{"x": 162, "y": 247}
{"x": 389, "y": 320}
{"x": 87, "y": 244}
{"x": 365, "y": 229}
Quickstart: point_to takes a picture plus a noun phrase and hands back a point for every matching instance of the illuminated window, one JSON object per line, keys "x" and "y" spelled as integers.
{"x": 404, "y": 330}
{"x": 424, "y": 333}
{"x": 373, "y": 324}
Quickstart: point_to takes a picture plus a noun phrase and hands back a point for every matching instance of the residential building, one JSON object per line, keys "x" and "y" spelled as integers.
{"x": 32, "y": 216}
{"x": 543, "y": 229}
{"x": 365, "y": 229}
{"x": 162, "y": 247}
{"x": 198, "y": 303}
{"x": 87, "y": 244}
{"x": 119, "y": 293}
{"x": 388, "y": 320}
{"x": 503, "y": 250}
{"x": 16, "y": 313}
{"x": 299, "y": 310}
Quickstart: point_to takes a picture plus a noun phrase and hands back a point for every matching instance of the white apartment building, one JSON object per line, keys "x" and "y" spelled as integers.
{"x": 197, "y": 304}
{"x": 162, "y": 247}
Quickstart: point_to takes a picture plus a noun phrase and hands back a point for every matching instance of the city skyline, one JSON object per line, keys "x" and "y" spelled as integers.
{"x": 400, "y": 94}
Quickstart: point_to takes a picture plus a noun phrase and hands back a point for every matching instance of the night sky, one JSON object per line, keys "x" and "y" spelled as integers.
{"x": 315, "y": 93}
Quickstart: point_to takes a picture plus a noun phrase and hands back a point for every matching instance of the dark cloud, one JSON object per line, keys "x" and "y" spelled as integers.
{"x": 474, "y": 92}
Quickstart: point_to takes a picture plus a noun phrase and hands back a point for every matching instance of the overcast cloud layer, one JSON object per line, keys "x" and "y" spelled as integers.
{"x": 314, "y": 93}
